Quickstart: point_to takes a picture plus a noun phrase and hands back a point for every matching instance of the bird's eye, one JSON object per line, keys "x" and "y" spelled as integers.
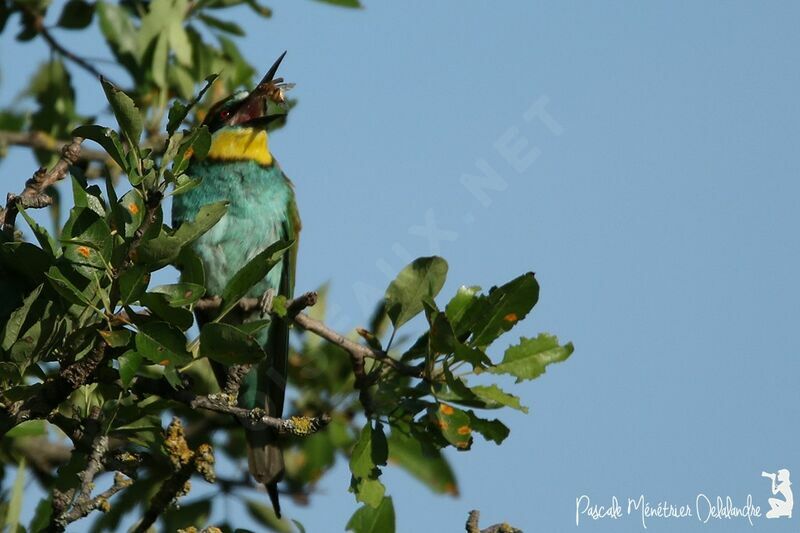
{"x": 225, "y": 114}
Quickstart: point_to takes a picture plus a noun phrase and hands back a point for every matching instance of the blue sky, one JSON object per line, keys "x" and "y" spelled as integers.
{"x": 660, "y": 216}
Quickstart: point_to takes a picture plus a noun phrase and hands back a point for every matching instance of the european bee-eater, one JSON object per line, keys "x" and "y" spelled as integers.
{"x": 240, "y": 168}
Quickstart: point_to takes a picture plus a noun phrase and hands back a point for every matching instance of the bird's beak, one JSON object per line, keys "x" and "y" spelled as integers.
{"x": 253, "y": 109}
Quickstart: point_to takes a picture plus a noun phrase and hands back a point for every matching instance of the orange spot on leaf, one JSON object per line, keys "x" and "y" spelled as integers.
{"x": 511, "y": 317}
{"x": 133, "y": 208}
{"x": 84, "y": 251}
{"x": 446, "y": 409}
{"x": 464, "y": 430}
{"x": 165, "y": 362}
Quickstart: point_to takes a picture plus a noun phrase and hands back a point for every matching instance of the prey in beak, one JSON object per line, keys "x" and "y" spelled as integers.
{"x": 256, "y": 109}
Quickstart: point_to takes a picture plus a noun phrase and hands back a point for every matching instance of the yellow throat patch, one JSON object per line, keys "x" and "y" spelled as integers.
{"x": 240, "y": 144}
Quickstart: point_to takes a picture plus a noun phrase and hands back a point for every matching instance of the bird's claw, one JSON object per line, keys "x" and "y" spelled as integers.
{"x": 265, "y": 302}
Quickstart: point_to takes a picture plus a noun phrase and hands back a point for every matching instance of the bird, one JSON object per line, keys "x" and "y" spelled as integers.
{"x": 240, "y": 169}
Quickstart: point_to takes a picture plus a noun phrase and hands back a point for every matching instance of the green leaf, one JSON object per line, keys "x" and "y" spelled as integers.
{"x": 222, "y": 25}
{"x": 17, "y": 320}
{"x": 178, "y": 111}
{"x": 187, "y": 515}
{"x": 108, "y": 139}
{"x": 229, "y": 345}
{"x": 427, "y": 465}
{"x": 492, "y": 430}
{"x": 126, "y": 112}
{"x": 29, "y": 428}
{"x": 180, "y": 294}
{"x": 423, "y": 278}
{"x": 492, "y": 315}
{"x": 76, "y": 15}
{"x": 343, "y": 3}
{"x": 265, "y": 516}
{"x": 528, "y": 359}
{"x": 184, "y": 183}
{"x": 494, "y": 396}
{"x": 116, "y": 338}
{"x": 15, "y": 504}
{"x": 162, "y": 344}
{"x": 41, "y": 517}
{"x": 129, "y": 364}
{"x": 66, "y": 288}
{"x": 459, "y": 304}
{"x": 191, "y": 267}
{"x": 370, "y": 450}
{"x": 25, "y": 259}
{"x": 132, "y": 284}
{"x": 373, "y": 519}
{"x": 179, "y": 42}
{"x": 369, "y": 491}
{"x": 160, "y": 57}
{"x": 163, "y": 249}
{"x": 181, "y": 317}
{"x": 47, "y": 243}
{"x": 441, "y": 339}
{"x": 118, "y": 29}
{"x": 253, "y": 272}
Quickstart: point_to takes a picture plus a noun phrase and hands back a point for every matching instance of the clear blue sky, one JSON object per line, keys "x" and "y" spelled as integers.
{"x": 662, "y": 224}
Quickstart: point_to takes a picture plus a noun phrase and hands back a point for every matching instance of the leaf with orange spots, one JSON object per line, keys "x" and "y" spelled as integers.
{"x": 454, "y": 425}
{"x": 180, "y": 294}
{"x": 160, "y": 342}
{"x": 130, "y": 211}
{"x": 491, "y": 315}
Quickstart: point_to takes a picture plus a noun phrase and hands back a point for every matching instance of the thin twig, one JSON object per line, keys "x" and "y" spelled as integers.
{"x": 185, "y": 462}
{"x": 474, "y": 519}
{"x": 53, "y": 391}
{"x": 84, "y": 507}
{"x": 358, "y": 353}
{"x": 38, "y": 23}
{"x": 34, "y": 194}
{"x": 40, "y": 140}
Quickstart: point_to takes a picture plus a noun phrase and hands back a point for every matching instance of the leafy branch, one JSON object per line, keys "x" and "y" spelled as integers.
{"x": 91, "y": 350}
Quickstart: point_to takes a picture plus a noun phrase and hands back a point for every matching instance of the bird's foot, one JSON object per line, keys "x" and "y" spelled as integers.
{"x": 265, "y": 302}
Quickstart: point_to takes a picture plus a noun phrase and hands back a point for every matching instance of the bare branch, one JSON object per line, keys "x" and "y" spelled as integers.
{"x": 34, "y": 194}
{"x": 473, "y": 527}
{"x": 40, "y": 140}
{"x": 38, "y": 23}
{"x": 84, "y": 507}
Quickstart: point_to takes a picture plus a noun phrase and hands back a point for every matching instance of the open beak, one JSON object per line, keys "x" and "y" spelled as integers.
{"x": 253, "y": 109}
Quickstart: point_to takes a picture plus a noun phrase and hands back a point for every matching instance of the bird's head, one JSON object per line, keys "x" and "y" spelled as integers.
{"x": 238, "y": 124}
{"x": 249, "y": 109}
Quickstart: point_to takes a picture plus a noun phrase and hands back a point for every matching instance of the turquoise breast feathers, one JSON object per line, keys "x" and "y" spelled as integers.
{"x": 258, "y": 198}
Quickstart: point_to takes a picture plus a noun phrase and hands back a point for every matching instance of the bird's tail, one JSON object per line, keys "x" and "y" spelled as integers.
{"x": 265, "y": 460}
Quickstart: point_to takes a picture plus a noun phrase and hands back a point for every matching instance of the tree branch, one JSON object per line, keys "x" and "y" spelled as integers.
{"x": 473, "y": 527}
{"x": 54, "y": 390}
{"x": 40, "y": 140}
{"x": 185, "y": 462}
{"x": 358, "y": 353}
{"x": 34, "y": 194}
{"x": 38, "y": 23}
